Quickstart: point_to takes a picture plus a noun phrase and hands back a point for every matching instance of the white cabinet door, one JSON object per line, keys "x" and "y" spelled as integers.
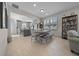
{"x": 3, "y": 41}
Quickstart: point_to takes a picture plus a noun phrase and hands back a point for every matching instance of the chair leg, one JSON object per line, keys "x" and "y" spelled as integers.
{"x": 41, "y": 41}
{"x": 46, "y": 40}
{"x": 31, "y": 39}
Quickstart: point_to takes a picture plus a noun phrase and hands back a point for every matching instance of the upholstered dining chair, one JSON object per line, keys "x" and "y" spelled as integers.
{"x": 48, "y": 35}
{"x": 33, "y": 35}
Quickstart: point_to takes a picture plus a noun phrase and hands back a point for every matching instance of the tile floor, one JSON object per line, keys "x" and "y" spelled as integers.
{"x": 23, "y": 46}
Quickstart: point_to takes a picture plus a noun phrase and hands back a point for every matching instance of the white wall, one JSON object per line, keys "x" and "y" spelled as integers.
{"x": 62, "y": 14}
{"x": 59, "y": 15}
{"x": 3, "y": 41}
{"x": 22, "y": 15}
{"x": 3, "y": 36}
{"x": 13, "y": 21}
{"x": 13, "y": 17}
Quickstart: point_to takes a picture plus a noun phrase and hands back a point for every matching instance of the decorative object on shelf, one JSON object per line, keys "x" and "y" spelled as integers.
{"x": 41, "y": 25}
{"x": 68, "y": 23}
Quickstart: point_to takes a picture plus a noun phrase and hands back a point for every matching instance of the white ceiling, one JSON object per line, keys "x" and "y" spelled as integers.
{"x": 49, "y": 7}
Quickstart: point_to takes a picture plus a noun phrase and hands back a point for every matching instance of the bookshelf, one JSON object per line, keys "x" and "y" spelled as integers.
{"x": 68, "y": 23}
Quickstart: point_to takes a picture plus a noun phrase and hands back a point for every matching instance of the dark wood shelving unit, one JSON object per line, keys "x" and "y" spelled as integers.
{"x": 69, "y": 23}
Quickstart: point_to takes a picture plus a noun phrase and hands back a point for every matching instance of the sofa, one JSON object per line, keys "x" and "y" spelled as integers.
{"x": 73, "y": 38}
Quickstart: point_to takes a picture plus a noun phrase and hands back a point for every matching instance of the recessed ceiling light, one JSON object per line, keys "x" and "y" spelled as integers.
{"x": 34, "y": 5}
{"x": 42, "y": 10}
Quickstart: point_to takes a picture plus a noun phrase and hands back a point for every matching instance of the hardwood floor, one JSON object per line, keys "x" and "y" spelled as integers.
{"x": 23, "y": 46}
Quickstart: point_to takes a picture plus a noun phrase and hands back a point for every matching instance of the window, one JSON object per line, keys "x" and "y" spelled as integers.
{"x": 51, "y": 23}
